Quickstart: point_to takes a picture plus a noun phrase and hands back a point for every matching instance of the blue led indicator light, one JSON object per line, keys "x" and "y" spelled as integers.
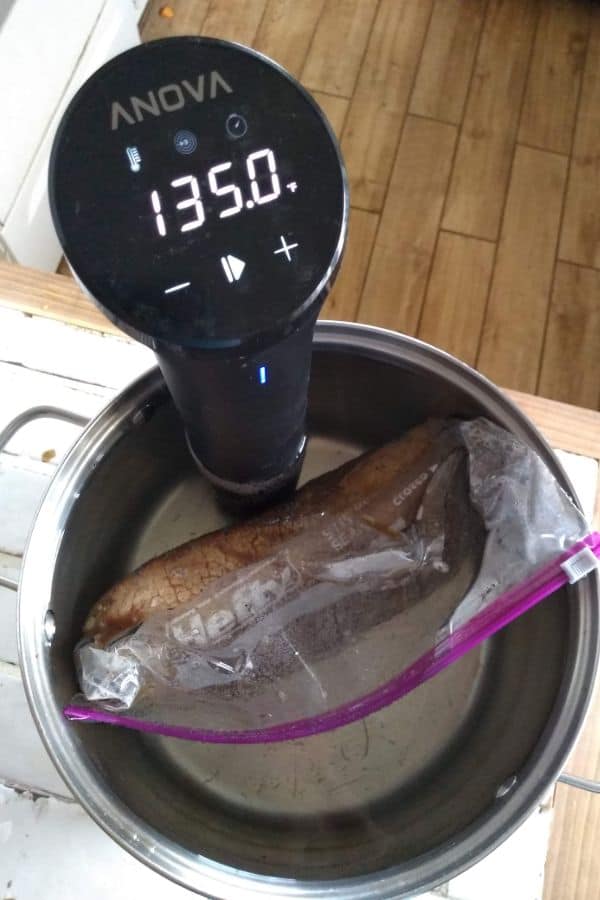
{"x": 262, "y": 374}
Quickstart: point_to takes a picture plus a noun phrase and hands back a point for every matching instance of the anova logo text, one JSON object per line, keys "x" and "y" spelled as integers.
{"x": 168, "y": 98}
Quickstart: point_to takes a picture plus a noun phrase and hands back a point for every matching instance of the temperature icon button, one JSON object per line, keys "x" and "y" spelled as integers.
{"x": 134, "y": 158}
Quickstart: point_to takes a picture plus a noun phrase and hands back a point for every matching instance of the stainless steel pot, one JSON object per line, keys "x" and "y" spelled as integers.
{"x": 385, "y": 808}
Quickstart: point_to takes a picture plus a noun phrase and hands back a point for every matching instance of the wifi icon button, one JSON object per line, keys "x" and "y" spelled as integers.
{"x": 185, "y": 142}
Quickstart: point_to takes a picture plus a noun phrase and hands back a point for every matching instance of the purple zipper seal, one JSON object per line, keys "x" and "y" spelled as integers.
{"x": 503, "y": 610}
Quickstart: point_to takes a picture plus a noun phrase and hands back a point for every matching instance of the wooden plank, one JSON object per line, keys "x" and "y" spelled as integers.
{"x": 405, "y": 242}
{"x": 23, "y": 483}
{"x": 338, "y": 46}
{"x": 381, "y": 97}
{"x": 335, "y": 109}
{"x": 483, "y": 161}
{"x": 550, "y": 104}
{"x": 513, "y": 333}
{"x": 234, "y": 20}
{"x": 584, "y": 759}
{"x": 570, "y": 369}
{"x": 39, "y": 344}
{"x": 63, "y": 268}
{"x": 573, "y": 863}
{"x": 25, "y": 762}
{"x": 343, "y": 301}
{"x": 8, "y": 626}
{"x": 286, "y": 31}
{"x": 584, "y": 474}
{"x": 457, "y": 294}
{"x": 580, "y": 237}
{"x": 565, "y": 427}
{"x": 188, "y": 18}
{"x": 448, "y": 57}
{"x": 50, "y": 295}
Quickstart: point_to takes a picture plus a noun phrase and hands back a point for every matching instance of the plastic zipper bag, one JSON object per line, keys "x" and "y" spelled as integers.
{"x": 359, "y": 609}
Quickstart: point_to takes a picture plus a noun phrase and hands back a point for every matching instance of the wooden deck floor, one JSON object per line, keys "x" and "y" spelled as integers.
{"x": 471, "y": 133}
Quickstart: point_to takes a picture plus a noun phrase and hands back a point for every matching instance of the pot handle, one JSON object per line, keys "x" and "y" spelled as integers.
{"x": 584, "y": 784}
{"x": 29, "y": 415}
{"x": 9, "y": 583}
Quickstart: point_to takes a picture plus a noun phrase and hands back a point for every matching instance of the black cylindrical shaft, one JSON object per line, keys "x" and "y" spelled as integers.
{"x": 245, "y": 415}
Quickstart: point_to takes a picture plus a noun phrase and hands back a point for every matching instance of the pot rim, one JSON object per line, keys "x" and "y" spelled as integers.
{"x": 201, "y": 873}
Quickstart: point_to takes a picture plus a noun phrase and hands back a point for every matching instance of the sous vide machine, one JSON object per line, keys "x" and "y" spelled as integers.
{"x": 199, "y": 196}
{"x": 201, "y": 201}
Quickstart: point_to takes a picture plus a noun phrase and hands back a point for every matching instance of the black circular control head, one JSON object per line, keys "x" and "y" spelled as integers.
{"x": 198, "y": 194}
{"x": 200, "y": 198}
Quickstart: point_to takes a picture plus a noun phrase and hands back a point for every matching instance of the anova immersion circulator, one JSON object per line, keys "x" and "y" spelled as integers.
{"x": 200, "y": 198}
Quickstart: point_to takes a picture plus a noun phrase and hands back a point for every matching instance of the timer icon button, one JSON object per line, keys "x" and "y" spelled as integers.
{"x": 236, "y": 126}
{"x": 185, "y": 142}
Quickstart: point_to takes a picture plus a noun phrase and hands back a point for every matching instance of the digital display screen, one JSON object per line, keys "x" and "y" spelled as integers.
{"x": 198, "y": 193}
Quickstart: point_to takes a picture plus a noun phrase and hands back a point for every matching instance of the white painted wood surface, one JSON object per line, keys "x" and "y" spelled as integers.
{"x": 49, "y": 848}
{"x": 52, "y": 850}
{"x": 34, "y": 76}
{"x": 23, "y": 758}
{"x": 47, "y": 50}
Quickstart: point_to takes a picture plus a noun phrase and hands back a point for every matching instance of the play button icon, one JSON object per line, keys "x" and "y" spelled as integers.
{"x": 233, "y": 267}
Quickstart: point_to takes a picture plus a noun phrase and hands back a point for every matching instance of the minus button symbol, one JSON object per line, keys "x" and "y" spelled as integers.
{"x": 177, "y": 287}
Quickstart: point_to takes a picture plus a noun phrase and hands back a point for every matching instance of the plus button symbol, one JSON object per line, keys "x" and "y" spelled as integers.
{"x": 285, "y": 248}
